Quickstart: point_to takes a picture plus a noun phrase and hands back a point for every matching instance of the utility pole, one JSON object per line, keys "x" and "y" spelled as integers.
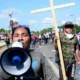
{"x": 11, "y": 21}
{"x": 10, "y": 17}
{"x": 74, "y": 22}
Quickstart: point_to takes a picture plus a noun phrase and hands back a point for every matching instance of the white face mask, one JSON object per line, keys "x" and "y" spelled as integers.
{"x": 17, "y": 44}
{"x": 69, "y": 35}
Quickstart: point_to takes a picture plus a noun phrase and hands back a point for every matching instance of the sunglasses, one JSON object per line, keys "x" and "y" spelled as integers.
{"x": 18, "y": 25}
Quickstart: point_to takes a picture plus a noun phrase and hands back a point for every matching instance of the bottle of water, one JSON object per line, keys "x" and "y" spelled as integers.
{"x": 78, "y": 74}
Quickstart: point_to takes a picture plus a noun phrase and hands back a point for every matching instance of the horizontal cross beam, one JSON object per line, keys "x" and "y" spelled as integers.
{"x": 55, "y": 7}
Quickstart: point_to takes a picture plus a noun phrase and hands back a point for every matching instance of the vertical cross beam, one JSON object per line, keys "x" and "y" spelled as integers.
{"x": 52, "y": 8}
{"x": 58, "y": 41}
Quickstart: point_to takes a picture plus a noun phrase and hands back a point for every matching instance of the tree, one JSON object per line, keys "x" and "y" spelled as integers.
{"x": 2, "y": 30}
{"x": 33, "y": 32}
{"x": 15, "y": 23}
{"x": 49, "y": 30}
{"x": 76, "y": 29}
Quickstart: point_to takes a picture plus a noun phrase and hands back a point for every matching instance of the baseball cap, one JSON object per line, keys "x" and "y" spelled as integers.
{"x": 69, "y": 24}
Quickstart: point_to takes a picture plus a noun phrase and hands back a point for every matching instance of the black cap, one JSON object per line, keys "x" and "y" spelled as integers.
{"x": 69, "y": 24}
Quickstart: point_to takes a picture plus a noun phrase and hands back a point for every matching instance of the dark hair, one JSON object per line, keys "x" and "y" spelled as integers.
{"x": 27, "y": 29}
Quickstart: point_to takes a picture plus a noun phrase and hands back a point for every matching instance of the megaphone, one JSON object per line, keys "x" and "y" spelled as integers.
{"x": 15, "y": 60}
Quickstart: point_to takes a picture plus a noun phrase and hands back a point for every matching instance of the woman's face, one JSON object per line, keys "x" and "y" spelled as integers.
{"x": 22, "y": 35}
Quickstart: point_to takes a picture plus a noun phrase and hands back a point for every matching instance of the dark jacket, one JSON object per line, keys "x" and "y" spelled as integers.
{"x": 39, "y": 70}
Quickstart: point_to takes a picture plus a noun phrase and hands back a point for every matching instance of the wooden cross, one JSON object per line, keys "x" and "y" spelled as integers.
{"x": 52, "y": 8}
{"x": 55, "y": 7}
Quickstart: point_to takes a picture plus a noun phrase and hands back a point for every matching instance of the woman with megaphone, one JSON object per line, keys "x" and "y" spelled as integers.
{"x": 20, "y": 62}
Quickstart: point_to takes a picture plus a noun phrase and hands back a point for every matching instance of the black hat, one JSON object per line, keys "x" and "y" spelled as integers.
{"x": 69, "y": 24}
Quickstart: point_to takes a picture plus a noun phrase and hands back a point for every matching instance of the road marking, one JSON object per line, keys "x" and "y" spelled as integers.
{"x": 3, "y": 49}
{"x": 53, "y": 50}
{"x": 54, "y": 68}
{"x": 39, "y": 46}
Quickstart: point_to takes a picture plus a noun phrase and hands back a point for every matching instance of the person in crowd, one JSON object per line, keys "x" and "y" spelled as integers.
{"x": 69, "y": 46}
{"x": 7, "y": 40}
{"x": 78, "y": 36}
{"x": 39, "y": 64}
{"x": 46, "y": 38}
{"x": 39, "y": 39}
{"x": 33, "y": 40}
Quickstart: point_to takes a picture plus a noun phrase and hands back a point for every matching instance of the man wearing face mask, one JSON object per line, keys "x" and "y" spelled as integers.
{"x": 69, "y": 45}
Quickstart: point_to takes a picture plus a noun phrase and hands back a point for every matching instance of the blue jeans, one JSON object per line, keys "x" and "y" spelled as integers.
{"x": 57, "y": 57}
{"x": 7, "y": 45}
{"x": 33, "y": 43}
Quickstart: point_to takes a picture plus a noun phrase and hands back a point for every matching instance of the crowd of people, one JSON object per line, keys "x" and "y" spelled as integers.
{"x": 41, "y": 38}
{"x": 70, "y": 51}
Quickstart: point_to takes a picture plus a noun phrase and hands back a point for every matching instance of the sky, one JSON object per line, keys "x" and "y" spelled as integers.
{"x": 22, "y": 13}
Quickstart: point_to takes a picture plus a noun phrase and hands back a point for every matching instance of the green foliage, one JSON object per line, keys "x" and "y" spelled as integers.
{"x": 46, "y": 30}
{"x": 15, "y": 22}
{"x": 33, "y": 32}
{"x": 76, "y": 29}
{"x": 2, "y": 30}
{"x": 5, "y": 31}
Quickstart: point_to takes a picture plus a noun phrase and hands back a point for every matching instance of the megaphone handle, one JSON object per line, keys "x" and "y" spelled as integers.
{"x": 16, "y": 78}
{"x": 19, "y": 78}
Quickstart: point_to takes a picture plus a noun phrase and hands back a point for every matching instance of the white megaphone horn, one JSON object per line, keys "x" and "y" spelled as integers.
{"x": 15, "y": 60}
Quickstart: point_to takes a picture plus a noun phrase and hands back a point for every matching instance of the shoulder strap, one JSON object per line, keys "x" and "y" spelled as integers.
{"x": 73, "y": 37}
